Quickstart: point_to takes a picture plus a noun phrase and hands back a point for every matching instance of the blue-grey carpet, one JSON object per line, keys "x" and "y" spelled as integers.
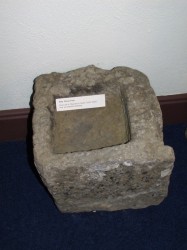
{"x": 30, "y": 221}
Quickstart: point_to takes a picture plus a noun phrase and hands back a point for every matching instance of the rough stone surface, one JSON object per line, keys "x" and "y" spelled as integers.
{"x": 87, "y": 129}
{"x": 131, "y": 175}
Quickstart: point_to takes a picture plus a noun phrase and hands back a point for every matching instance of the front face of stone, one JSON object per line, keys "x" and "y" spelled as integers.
{"x": 111, "y": 186}
{"x": 131, "y": 175}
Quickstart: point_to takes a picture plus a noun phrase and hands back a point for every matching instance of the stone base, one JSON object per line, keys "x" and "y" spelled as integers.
{"x": 131, "y": 175}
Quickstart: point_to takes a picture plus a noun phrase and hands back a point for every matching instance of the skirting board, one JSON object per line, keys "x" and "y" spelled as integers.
{"x": 16, "y": 124}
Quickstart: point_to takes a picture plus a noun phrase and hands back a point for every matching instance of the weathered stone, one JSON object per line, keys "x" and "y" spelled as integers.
{"x": 131, "y": 175}
{"x": 87, "y": 129}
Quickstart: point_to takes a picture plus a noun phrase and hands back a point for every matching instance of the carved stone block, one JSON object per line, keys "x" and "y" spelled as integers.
{"x": 108, "y": 173}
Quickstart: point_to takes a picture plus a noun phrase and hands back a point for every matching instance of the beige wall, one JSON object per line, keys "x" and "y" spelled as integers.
{"x": 59, "y": 35}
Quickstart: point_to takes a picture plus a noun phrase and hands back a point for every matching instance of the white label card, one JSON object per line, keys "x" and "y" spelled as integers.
{"x": 80, "y": 102}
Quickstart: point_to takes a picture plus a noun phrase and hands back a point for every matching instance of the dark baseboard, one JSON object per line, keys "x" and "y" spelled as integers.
{"x": 174, "y": 108}
{"x": 16, "y": 124}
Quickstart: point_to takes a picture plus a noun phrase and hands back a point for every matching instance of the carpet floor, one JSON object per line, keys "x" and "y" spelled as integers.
{"x": 29, "y": 219}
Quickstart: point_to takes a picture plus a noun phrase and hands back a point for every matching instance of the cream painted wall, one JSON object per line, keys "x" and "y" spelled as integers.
{"x": 41, "y": 36}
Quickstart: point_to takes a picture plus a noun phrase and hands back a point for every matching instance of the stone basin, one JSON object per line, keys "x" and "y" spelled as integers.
{"x": 132, "y": 173}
